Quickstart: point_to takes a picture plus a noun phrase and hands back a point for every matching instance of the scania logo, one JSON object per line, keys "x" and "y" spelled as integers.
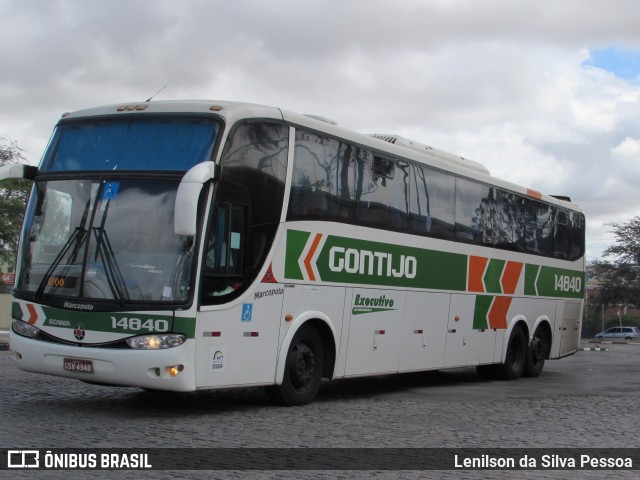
{"x": 79, "y": 332}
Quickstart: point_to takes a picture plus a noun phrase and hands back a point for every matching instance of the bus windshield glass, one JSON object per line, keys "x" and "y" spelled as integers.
{"x": 131, "y": 144}
{"x": 104, "y": 240}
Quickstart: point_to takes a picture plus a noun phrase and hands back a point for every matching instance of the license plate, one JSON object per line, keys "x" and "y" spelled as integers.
{"x": 77, "y": 365}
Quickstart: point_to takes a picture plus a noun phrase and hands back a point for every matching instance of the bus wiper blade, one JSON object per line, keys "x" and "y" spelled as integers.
{"x": 115, "y": 279}
{"x": 78, "y": 238}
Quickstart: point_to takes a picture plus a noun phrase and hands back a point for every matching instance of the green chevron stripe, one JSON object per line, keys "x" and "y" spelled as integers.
{"x": 492, "y": 276}
{"x": 481, "y": 311}
{"x": 296, "y": 241}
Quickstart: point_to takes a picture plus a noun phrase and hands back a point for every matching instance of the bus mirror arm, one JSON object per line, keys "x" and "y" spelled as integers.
{"x": 186, "y": 206}
{"x": 18, "y": 170}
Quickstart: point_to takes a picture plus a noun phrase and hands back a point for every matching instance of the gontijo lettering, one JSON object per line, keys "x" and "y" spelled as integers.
{"x": 367, "y": 262}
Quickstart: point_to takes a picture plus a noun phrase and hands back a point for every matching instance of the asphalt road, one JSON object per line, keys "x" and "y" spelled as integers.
{"x": 589, "y": 400}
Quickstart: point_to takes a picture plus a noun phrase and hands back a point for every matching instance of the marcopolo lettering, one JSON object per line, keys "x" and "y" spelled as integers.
{"x": 78, "y": 306}
{"x": 268, "y": 293}
{"x": 366, "y": 262}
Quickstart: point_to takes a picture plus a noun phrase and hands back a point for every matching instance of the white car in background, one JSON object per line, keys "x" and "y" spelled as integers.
{"x": 626, "y": 333}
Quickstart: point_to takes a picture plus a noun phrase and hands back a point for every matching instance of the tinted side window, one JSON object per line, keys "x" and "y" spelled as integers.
{"x": 246, "y": 214}
{"x": 255, "y": 156}
{"x": 577, "y": 232}
{"x": 475, "y": 212}
{"x": 338, "y": 181}
{"x": 510, "y": 222}
{"x": 324, "y": 176}
{"x": 432, "y": 205}
{"x": 382, "y": 192}
{"x": 539, "y": 227}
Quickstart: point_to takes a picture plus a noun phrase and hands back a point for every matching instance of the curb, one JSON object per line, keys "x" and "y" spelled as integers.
{"x": 595, "y": 349}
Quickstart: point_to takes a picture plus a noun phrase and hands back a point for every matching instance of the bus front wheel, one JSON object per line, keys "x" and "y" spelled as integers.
{"x": 303, "y": 370}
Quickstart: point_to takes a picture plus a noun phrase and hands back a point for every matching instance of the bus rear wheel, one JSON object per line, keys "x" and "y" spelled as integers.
{"x": 303, "y": 370}
{"x": 537, "y": 353}
{"x": 516, "y": 358}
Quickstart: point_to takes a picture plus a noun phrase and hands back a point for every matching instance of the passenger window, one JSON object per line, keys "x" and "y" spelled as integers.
{"x": 255, "y": 157}
{"x": 510, "y": 225}
{"x": 562, "y": 235}
{"x": 539, "y": 227}
{"x": 382, "y": 195}
{"x": 432, "y": 203}
{"x": 475, "y": 212}
{"x": 323, "y": 178}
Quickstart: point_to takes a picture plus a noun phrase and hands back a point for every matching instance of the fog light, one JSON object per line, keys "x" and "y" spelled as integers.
{"x": 175, "y": 370}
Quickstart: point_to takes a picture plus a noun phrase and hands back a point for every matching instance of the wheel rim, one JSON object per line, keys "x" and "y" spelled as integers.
{"x": 538, "y": 348}
{"x": 303, "y": 366}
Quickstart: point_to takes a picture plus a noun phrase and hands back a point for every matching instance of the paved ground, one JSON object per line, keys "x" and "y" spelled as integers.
{"x": 588, "y": 400}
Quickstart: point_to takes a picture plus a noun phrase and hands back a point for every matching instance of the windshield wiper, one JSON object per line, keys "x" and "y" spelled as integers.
{"x": 76, "y": 240}
{"x": 108, "y": 258}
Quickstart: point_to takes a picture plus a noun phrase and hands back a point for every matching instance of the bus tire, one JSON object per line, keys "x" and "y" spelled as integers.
{"x": 516, "y": 358}
{"x": 302, "y": 371}
{"x": 537, "y": 353}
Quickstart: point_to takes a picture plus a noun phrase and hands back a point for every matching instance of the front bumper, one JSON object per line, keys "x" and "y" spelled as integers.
{"x": 135, "y": 368}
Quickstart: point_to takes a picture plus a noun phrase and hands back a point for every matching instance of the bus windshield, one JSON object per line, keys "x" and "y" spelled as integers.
{"x": 94, "y": 232}
{"x": 131, "y": 144}
{"x": 105, "y": 240}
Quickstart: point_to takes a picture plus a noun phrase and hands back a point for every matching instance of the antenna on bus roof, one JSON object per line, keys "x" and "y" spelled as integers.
{"x": 149, "y": 99}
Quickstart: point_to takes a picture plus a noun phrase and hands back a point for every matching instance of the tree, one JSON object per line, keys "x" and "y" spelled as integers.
{"x": 14, "y": 194}
{"x": 627, "y": 246}
{"x": 620, "y": 279}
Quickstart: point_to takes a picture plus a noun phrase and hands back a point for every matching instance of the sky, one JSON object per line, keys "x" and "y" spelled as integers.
{"x": 544, "y": 93}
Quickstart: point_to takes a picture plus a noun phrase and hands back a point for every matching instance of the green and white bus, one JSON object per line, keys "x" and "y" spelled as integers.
{"x": 203, "y": 244}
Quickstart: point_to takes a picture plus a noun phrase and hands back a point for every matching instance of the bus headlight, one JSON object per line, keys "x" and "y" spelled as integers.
{"x": 24, "y": 329}
{"x": 157, "y": 341}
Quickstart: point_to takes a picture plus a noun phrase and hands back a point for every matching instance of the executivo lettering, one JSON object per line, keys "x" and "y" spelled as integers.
{"x": 362, "y": 304}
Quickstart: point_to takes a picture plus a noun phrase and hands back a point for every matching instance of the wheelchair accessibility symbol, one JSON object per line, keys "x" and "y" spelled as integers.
{"x": 247, "y": 311}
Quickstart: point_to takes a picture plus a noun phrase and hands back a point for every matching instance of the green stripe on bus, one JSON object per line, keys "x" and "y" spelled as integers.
{"x": 16, "y": 311}
{"x": 296, "y": 241}
{"x": 492, "y": 276}
{"x": 344, "y": 260}
{"x": 553, "y": 282}
{"x": 481, "y": 311}
{"x": 362, "y": 262}
{"x": 530, "y": 276}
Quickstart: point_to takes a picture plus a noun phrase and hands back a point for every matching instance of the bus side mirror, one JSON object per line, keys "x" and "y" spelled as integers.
{"x": 18, "y": 170}
{"x": 185, "y": 214}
